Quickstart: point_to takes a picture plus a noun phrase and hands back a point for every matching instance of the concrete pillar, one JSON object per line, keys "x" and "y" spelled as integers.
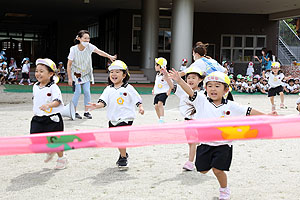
{"x": 150, "y": 23}
{"x": 182, "y": 32}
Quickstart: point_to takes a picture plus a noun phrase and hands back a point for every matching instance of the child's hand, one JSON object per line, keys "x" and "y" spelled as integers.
{"x": 152, "y": 92}
{"x": 44, "y": 107}
{"x": 141, "y": 110}
{"x": 169, "y": 92}
{"x": 175, "y": 75}
{"x": 91, "y": 106}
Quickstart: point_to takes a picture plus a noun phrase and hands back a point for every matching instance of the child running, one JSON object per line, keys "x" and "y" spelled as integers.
{"x": 194, "y": 77}
{"x": 121, "y": 99}
{"x": 47, "y": 105}
{"x": 275, "y": 77}
{"x": 25, "y": 71}
{"x": 214, "y": 155}
{"x": 162, "y": 88}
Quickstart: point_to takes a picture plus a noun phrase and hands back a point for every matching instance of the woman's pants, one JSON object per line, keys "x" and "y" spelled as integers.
{"x": 86, "y": 91}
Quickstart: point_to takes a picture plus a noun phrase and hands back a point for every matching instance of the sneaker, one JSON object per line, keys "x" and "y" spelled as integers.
{"x": 61, "y": 163}
{"x": 122, "y": 162}
{"x": 282, "y": 106}
{"x": 77, "y": 116}
{"x": 273, "y": 107}
{"x": 30, "y": 84}
{"x": 189, "y": 166}
{"x": 87, "y": 115}
{"x": 21, "y": 84}
{"x": 161, "y": 121}
{"x": 224, "y": 193}
{"x": 49, "y": 157}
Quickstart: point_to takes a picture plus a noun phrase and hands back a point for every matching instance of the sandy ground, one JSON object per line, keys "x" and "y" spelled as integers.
{"x": 261, "y": 169}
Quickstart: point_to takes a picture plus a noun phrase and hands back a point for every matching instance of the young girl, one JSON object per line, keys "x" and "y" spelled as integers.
{"x": 25, "y": 71}
{"x": 214, "y": 155}
{"x": 4, "y": 72}
{"x": 121, "y": 99}
{"x": 250, "y": 69}
{"x": 291, "y": 87}
{"x": 194, "y": 77}
{"x": 162, "y": 88}
{"x": 79, "y": 68}
{"x": 275, "y": 77}
{"x": 62, "y": 71}
{"x": 47, "y": 105}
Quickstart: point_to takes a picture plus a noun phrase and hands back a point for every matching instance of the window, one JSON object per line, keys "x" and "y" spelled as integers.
{"x": 93, "y": 29}
{"x": 164, "y": 34}
{"x": 241, "y": 48}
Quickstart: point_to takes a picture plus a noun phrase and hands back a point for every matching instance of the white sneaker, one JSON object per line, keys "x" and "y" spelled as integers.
{"x": 61, "y": 163}
{"x": 21, "y": 84}
{"x": 224, "y": 193}
{"x": 49, "y": 157}
{"x": 189, "y": 166}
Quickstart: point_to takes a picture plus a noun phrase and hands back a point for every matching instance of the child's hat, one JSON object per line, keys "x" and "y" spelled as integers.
{"x": 275, "y": 65}
{"x": 239, "y": 76}
{"x": 46, "y": 61}
{"x": 60, "y": 63}
{"x": 257, "y": 77}
{"x": 231, "y": 76}
{"x": 4, "y": 63}
{"x": 117, "y": 64}
{"x": 184, "y": 60}
{"x": 24, "y": 59}
{"x": 193, "y": 69}
{"x": 250, "y": 64}
{"x": 161, "y": 61}
{"x": 1, "y": 57}
{"x": 217, "y": 76}
{"x": 291, "y": 80}
{"x": 249, "y": 79}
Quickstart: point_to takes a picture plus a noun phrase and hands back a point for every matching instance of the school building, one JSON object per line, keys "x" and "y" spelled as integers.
{"x": 140, "y": 30}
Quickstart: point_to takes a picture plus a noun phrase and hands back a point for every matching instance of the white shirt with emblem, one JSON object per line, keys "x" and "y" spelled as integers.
{"x": 274, "y": 80}
{"x": 82, "y": 63}
{"x": 44, "y": 95}
{"x": 121, "y": 103}
{"x": 161, "y": 85}
{"x": 206, "y": 109}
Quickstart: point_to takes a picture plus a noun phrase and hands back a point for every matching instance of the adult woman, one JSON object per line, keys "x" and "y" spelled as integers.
{"x": 265, "y": 59}
{"x": 79, "y": 68}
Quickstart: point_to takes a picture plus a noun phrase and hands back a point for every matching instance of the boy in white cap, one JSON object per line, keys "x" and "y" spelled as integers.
{"x": 162, "y": 88}
{"x": 121, "y": 100}
{"x": 214, "y": 155}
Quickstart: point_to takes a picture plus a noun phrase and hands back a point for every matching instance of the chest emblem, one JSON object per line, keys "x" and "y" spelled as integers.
{"x": 159, "y": 85}
{"x": 120, "y": 101}
{"x": 275, "y": 79}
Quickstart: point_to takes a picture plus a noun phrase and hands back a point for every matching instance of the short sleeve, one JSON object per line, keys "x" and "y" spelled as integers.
{"x": 267, "y": 74}
{"x": 91, "y": 48}
{"x": 56, "y": 93}
{"x": 239, "y": 110}
{"x": 136, "y": 98}
{"x": 104, "y": 96}
{"x": 281, "y": 75}
{"x": 71, "y": 54}
{"x": 178, "y": 91}
{"x": 298, "y": 101}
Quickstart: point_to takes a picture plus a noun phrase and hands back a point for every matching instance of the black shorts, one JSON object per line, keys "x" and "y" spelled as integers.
{"x": 273, "y": 91}
{"x": 45, "y": 124}
{"x": 25, "y": 75}
{"x": 218, "y": 157}
{"x": 160, "y": 97}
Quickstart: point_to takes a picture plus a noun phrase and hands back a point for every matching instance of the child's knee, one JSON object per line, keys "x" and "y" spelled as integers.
{"x": 160, "y": 104}
{"x": 204, "y": 172}
{"x": 217, "y": 171}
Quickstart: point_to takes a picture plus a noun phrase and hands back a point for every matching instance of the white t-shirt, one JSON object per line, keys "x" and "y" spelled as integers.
{"x": 274, "y": 80}
{"x": 265, "y": 87}
{"x": 121, "y": 103}
{"x": 244, "y": 84}
{"x": 12, "y": 74}
{"x": 82, "y": 63}
{"x": 182, "y": 68}
{"x": 160, "y": 86}
{"x": 44, "y": 95}
{"x": 207, "y": 65}
{"x": 250, "y": 71}
{"x": 184, "y": 108}
{"x": 291, "y": 88}
{"x": 206, "y": 109}
{"x": 25, "y": 68}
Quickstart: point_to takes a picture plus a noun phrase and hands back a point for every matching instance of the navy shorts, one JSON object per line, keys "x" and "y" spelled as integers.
{"x": 218, "y": 157}
{"x": 44, "y": 124}
{"x": 273, "y": 91}
{"x": 160, "y": 97}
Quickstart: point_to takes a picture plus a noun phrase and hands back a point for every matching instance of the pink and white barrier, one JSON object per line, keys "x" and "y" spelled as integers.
{"x": 238, "y": 128}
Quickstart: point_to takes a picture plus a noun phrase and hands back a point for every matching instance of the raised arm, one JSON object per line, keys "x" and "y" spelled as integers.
{"x": 176, "y": 77}
{"x": 106, "y": 55}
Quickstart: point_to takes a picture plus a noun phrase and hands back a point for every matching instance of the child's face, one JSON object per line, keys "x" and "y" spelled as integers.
{"x": 275, "y": 70}
{"x": 297, "y": 81}
{"x": 291, "y": 83}
{"x": 215, "y": 90}
{"x": 265, "y": 82}
{"x": 249, "y": 82}
{"x": 157, "y": 67}
{"x": 255, "y": 81}
{"x": 193, "y": 81}
{"x": 27, "y": 61}
{"x": 238, "y": 80}
{"x": 116, "y": 76}
{"x": 42, "y": 74}
{"x": 242, "y": 80}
